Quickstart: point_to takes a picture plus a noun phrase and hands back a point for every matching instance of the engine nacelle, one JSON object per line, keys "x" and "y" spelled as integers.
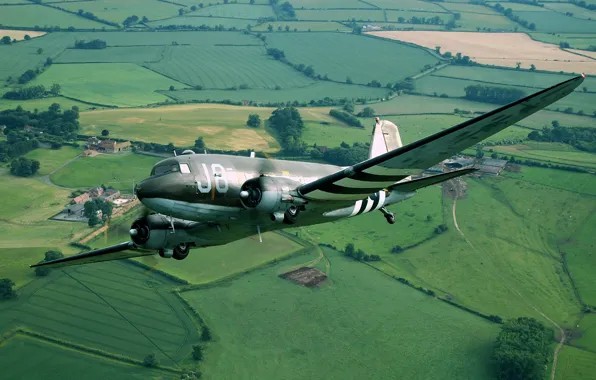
{"x": 269, "y": 195}
{"x": 155, "y": 232}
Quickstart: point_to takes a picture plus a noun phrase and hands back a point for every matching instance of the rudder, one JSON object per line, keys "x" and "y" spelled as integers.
{"x": 385, "y": 138}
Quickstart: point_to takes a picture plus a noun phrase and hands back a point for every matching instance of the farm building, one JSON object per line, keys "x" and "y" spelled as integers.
{"x": 75, "y": 209}
{"x": 458, "y": 162}
{"x": 81, "y": 199}
{"x": 95, "y": 192}
{"x": 111, "y": 195}
{"x": 108, "y": 146}
{"x": 492, "y": 166}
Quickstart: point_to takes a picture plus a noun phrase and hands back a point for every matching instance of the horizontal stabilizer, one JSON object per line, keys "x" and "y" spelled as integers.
{"x": 115, "y": 252}
{"x": 406, "y": 187}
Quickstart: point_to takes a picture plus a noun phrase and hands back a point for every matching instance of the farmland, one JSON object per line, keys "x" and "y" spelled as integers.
{"x": 244, "y": 11}
{"x": 110, "y": 170}
{"x": 20, "y": 34}
{"x": 576, "y": 364}
{"x": 305, "y": 26}
{"x": 328, "y": 53}
{"x": 118, "y": 11}
{"x": 52, "y": 159}
{"x": 270, "y": 312}
{"x": 40, "y": 16}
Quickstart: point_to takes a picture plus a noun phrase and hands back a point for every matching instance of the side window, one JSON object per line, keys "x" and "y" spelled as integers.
{"x": 184, "y": 169}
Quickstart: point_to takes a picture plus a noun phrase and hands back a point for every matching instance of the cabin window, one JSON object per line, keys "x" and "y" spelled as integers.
{"x": 165, "y": 169}
{"x": 184, "y": 169}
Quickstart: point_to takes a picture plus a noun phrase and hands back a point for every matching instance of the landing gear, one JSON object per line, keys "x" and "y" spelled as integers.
{"x": 389, "y": 216}
{"x": 181, "y": 251}
{"x": 291, "y": 215}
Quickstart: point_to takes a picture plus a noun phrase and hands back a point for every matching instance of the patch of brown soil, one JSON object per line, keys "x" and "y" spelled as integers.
{"x": 309, "y": 277}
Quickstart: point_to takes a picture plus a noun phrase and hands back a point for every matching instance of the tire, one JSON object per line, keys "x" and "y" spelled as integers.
{"x": 291, "y": 215}
{"x": 390, "y": 219}
{"x": 181, "y": 251}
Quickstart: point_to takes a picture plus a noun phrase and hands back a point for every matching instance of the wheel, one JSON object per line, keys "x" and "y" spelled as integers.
{"x": 390, "y": 218}
{"x": 181, "y": 251}
{"x": 291, "y": 215}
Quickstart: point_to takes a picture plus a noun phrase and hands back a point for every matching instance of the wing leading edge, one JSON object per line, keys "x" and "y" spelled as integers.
{"x": 359, "y": 181}
{"x": 116, "y": 252}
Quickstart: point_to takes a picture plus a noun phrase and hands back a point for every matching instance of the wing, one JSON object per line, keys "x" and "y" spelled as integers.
{"x": 361, "y": 180}
{"x": 115, "y": 252}
{"x": 419, "y": 183}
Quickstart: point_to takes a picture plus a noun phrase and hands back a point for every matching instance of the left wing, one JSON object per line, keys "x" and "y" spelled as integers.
{"x": 367, "y": 177}
{"x": 115, "y": 252}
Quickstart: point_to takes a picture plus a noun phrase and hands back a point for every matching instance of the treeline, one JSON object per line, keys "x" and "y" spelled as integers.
{"x": 583, "y": 4}
{"x": 346, "y": 118}
{"x": 421, "y": 20}
{"x": 509, "y": 14}
{"x": 33, "y": 92}
{"x": 582, "y": 138}
{"x": 288, "y": 125}
{"x": 94, "y": 44}
{"x": 522, "y": 350}
{"x": 358, "y": 254}
{"x": 284, "y": 11}
{"x": 345, "y": 155}
{"x": 491, "y": 94}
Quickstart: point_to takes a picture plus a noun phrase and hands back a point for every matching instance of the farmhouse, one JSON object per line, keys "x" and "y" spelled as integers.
{"x": 81, "y": 199}
{"x": 95, "y": 192}
{"x": 111, "y": 195}
{"x": 108, "y": 146}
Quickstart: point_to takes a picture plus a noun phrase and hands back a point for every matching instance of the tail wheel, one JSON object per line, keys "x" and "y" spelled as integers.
{"x": 291, "y": 215}
{"x": 181, "y": 251}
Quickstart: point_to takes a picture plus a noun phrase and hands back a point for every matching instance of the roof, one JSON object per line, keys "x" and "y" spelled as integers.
{"x": 494, "y": 162}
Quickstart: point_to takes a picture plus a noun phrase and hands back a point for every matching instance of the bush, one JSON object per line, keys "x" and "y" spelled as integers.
{"x": 150, "y": 361}
{"x": 24, "y": 167}
{"x": 346, "y": 117}
{"x": 6, "y": 291}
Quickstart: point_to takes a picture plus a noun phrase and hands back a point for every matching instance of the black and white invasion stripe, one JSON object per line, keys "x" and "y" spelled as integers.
{"x": 372, "y": 203}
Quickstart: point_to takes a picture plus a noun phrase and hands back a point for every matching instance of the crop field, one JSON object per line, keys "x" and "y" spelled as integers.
{"x": 578, "y": 12}
{"x": 118, "y": 11}
{"x": 553, "y": 22}
{"x": 579, "y": 41}
{"x": 118, "y": 84}
{"x": 223, "y": 67}
{"x": 315, "y": 91}
{"x": 52, "y": 159}
{"x": 506, "y": 50}
{"x": 114, "y": 307}
{"x": 37, "y": 15}
{"x": 128, "y": 54}
{"x": 202, "y": 38}
{"x": 182, "y": 125}
{"x": 576, "y": 364}
{"x": 372, "y": 233}
{"x": 341, "y": 15}
{"x": 244, "y": 11}
{"x": 574, "y": 158}
{"x": 304, "y": 26}
{"x": 332, "y": 54}
{"x": 255, "y": 325}
{"x": 206, "y": 20}
{"x": 19, "y": 35}
{"x": 116, "y": 170}
{"x": 23, "y": 357}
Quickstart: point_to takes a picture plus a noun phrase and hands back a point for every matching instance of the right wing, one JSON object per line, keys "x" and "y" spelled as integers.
{"x": 419, "y": 183}
{"x": 115, "y": 252}
{"x": 377, "y": 173}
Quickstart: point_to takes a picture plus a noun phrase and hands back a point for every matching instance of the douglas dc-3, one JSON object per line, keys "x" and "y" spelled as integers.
{"x": 202, "y": 200}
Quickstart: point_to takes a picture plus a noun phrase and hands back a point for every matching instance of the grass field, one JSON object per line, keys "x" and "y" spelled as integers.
{"x": 578, "y": 41}
{"x": 574, "y": 158}
{"x": 116, "y": 170}
{"x": 129, "y": 54}
{"x": 315, "y": 91}
{"x": 202, "y": 38}
{"x": 204, "y": 20}
{"x": 244, "y": 11}
{"x": 553, "y": 22}
{"x": 276, "y": 328}
{"x": 576, "y": 364}
{"x": 340, "y": 15}
{"x": 182, "y": 125}
{"x": 51, "y": 159}
{"x": 412, "y": 104}
{"x": 578, "y": 12}
{"x": 328, "y": 4}
{"x": 119, "y": 84}
{"x": 37, "y": 15}
{"x": 223, "y": 67}
{"x": 587, "y": 327}
{"x": 26, "y": 358}
{"x": 118, "y": 11}
{"x": 15, "y": 263}
{"x": 314, "y": 26}
{"x": 115, "y": 307}
{"x": 575, "y": 182}
{"x": 412, "y": 5}
{"x": 42, "y": 104}
{"x": 333, "y": 54}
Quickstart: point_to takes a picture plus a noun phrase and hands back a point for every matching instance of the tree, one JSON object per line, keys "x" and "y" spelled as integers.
{"x": 55, "y": 89}
{"x": 180, "y": 11}
{"x": 105, "y": 133}
{"x": 397, "y": 249}
{"x": 270, "y": 28}
{"x": 27, "y": 37}
{"x": 172, "y": 88}
{"x": 6, "y": 40}
{"x": 49, "y": 256}
{"x": 349, "y": 250}
{"x": 555, "y": 123}
{"x": 205, "y": 334}
{"x": 150, "y": 361}
{"x": 6, "y": 290}
{"x": 532, "y": 67}
{"x": 200, "y": 143}
{"x": 518, "y": 65}
{"x": 197, "y": 352}
{"x": 438, "y": 49}
{"x": 39, "y": 51}
{"x": 349, "y": 107}
{"x": 254, "y": 120}
{"x": 479, "y": 151}
{"x": 24, "y": 167}
{"x": 349, "y": 80}
{"x": 367, "y": 112}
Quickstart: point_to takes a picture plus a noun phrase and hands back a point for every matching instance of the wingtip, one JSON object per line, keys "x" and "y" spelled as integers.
{"x": 583, "y": 75}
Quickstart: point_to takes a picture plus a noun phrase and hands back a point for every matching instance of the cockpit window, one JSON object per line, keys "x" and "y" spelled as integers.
{"x": 164, "y": 169}
{"x": 184, "y": 169}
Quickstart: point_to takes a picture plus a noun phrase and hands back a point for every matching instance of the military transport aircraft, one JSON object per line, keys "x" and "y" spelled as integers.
{"x": 203, "y": 200}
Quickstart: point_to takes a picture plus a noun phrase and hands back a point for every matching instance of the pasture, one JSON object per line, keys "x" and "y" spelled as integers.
{"x": 128, "y": 54}
{"x": 15, "y": 263}
{"x": 242, "y": 11}
{"x": 578, "y": 41}
{"x": 407, "y": 5}
{"x": 117, "y": 11}
{"x": 182, "y": 125}
{"x": 52, "y": 159}
{"x": 318, "y": 90}
{"x": 333, "y": 54}
{"x": 119, "y": 84}
{"x": 587, "y": 327}
{"x": 506, "y": 49}
{"x": 416, "y": 105}
{"x": 340, "y": 15}
{"x": 554, "y": 22}
{"x": 201, "y": 38}
{"x": 201, "y": 20}
{"x": 116, "y": 170}
{"x": 23, "y": 357}
{"x": 114, "y": 307}
{"x": 304, "y": 26}
{"x": 33, "y": 15}
{"x": 223, "y": 67}
{"x": 253, "y": 328}
{"x": 572, "y": 158}
{"x": 578, "y": 12}
{"x": 575, "y": 363}
{"x": 42, "y": 104}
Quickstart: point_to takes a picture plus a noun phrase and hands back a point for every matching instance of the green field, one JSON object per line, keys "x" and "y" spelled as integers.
{"x": 576, "y": 364}
{"x": 552, "y": 22}
{"x": 223, "y": 67}
{"x": 23, "y": 357}
{"x": 197, "y": 21}
{"x": 42, "y": 104}
{"x": 116, "y": 170}
{"x": 414, "y": 104}
{"x": 315, "y": 91}
{"x": 243, "y": 11}
{"x": 202, "y": 38}
{"x": 571, "y": 158}
{"x": 40, "y": 16}
{"x": 587, "y": 327}
{"x": 182, "y": 125}
{"x": 578, "y": 41}
{"x": 463, "y": 7}
{"x": 341, "y": 15}
{"x": 333, "y": 54}
{"x": 578, "y": 12}
{"x": 274, "y": 327}
{"x": 328, "y": 4}
{"x": 304, "y": 26}
{"x": 115, "y": 307}
{"x": 128, "y": 54}
{"x": 118, "y": 11}
{"x": 393, "y": 16}
{"x": 52, "y": 159}
{"x": 576, "y": 182}
{"x": 118, "y": 84}
{"x": 414, "y": 5}
{"x": 15, "y": 263}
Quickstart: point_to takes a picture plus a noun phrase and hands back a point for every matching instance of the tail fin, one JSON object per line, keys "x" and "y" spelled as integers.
{"x": 385, "y": 138}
